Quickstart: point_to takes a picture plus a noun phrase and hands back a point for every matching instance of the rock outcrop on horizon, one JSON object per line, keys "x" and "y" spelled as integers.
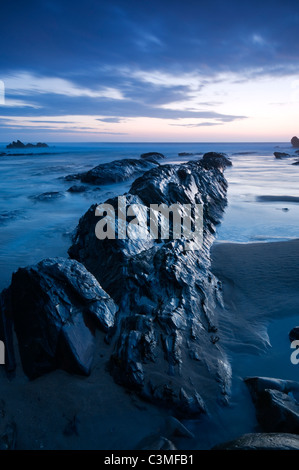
{"x": 164, "y": 338}
{"x": 19, "y": 145}
{"x": 295, "y": 141}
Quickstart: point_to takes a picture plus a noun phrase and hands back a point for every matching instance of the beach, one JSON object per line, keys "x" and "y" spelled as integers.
{"x": 260, "y": 284}
{"x": 260, "y": 289}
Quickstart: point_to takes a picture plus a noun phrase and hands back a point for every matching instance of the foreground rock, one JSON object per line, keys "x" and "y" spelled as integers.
{"x": 262, "y": 441}
{"x": 115, "y": 172}
{"x": 276, "y": 408}
{"x": 56, "y": 306}
{"x": 165, "y": 346}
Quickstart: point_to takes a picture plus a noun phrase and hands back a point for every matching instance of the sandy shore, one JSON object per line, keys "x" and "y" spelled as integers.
{"x": 261, "y": 304}
{"x": 260, "y": 284}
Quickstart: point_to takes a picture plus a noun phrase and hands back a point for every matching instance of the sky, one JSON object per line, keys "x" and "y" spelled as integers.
{"x": 149, "y": 71}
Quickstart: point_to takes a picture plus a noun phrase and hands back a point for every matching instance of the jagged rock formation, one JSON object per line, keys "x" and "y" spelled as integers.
{"x": 165, "y": 342}
{"x": 262, "y": 441}
{"x": 117, "y": 171}
{"x": 19, "y": 145}
{"x": 295, "y": 141}
{"x": 55, "y": 307}
{"x": 164, "y": 339}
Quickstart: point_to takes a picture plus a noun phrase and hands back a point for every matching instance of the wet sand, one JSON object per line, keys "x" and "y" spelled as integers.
{"x": 261, "y": 304}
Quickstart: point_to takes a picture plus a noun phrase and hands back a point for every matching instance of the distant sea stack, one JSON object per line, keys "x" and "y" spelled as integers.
{"x": 19, "y": 145}
{"x": 295, "y": 142}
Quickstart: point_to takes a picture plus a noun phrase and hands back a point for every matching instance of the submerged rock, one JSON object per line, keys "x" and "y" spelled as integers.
{"x": 114, "y": 172}
{"x": 166, "y": 291}
{"x": 262, "y": 441}
{"x": 189, "y": 154}
{"x": 56, "y": 305}
{"x": 153, "y": 157}
{"x": 77, "y": 188}
{"x": 212, "y": 160}
{"x": 280, "y": 155}
{"x": 48, "y": 196}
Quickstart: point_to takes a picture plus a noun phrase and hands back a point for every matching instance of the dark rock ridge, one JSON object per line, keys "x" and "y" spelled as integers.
{"x": 189, "y": 154}
{"x": 275, "y": 400}
{"x": 118, "y": 170}
{"x": 272, "y": 198}
{"x": 295, "y": 141}
{"x": 19, "y": 145}
{"x": 262, "y": 441}
{"x": 55, "y": 307}
{"x": 165, "y": 346}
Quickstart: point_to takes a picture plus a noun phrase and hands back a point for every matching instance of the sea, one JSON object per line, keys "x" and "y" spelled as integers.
{"x": 33, "y": 229}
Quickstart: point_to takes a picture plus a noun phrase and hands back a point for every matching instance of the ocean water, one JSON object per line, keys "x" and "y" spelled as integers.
{"x": 32, "y": 230}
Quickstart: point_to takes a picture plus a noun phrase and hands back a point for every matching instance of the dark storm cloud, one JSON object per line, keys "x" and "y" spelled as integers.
{"x": 63, "y": 36}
